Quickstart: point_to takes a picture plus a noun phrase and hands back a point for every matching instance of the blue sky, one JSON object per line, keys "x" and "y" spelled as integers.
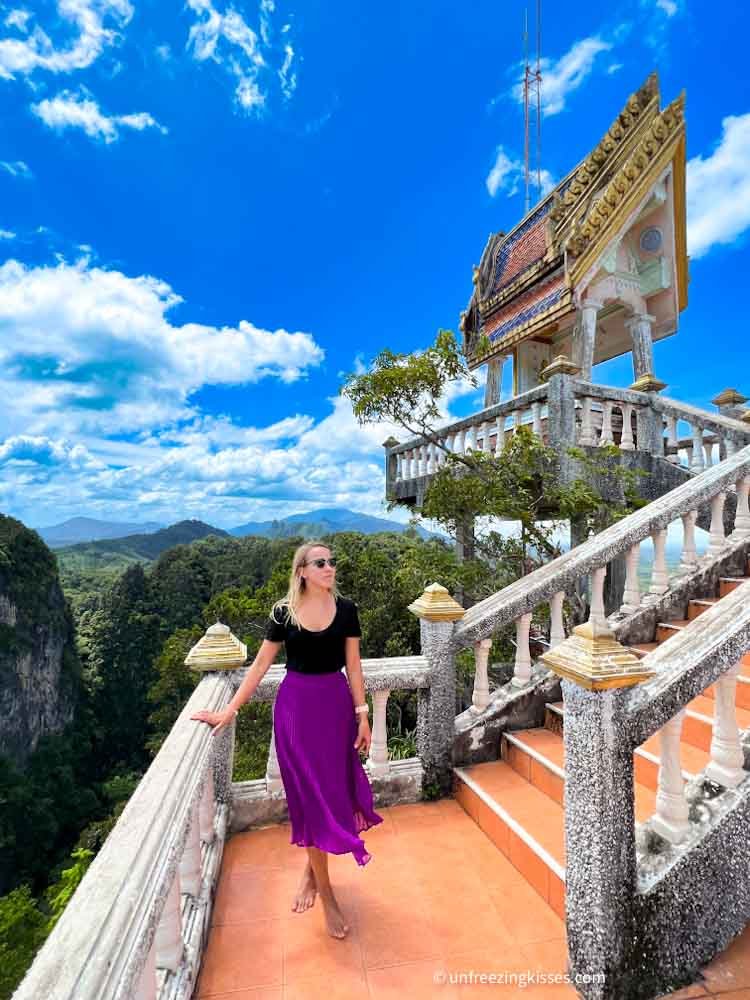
{"x": 209, "y": 212}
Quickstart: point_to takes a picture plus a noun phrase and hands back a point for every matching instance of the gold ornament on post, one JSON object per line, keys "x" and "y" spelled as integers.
{"x": 437, "y": 605}
{"x": 218, "y": 649}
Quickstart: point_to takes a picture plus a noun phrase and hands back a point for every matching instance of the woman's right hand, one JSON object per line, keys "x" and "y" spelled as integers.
{"x": 215, "y": 719}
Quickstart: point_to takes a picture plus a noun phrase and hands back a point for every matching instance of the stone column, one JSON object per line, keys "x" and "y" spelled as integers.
{"x": 561, "y": 412}
{"x": 643, "y": 346}
{"x": 584, "y": 338}
{"x": 219, "y": 649}
{"x": 438, "y": 614}
{"x": 493, "y": 387}
{"x": 390, "y": 465}
{"x": 600, "y": 860}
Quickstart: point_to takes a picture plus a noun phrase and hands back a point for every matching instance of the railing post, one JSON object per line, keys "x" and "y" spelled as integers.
{"x": 561, "y": 411}
{"x": 391, "y": 465}
{"x": 742, "y": 514}
{"x": 600, "y": 859}
{"x": 438, "y": 614}
{"x": 671, "y": 817}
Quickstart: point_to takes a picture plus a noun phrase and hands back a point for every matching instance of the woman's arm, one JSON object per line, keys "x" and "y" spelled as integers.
{"x": 255, "y": 674}
{"x": 357, "y": 685}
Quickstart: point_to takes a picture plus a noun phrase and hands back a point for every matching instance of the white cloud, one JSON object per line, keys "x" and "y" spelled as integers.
{"x": 69, "y": 110}
{"x": 614, "y": 67}
{"x": 100, "y": 415}
{"x": 6, "y": 234}
{"x": 97, "y": 21}
{"x": 563, "y": 76}
{"x": 718, "y": 189}
{"x": 87, "y": 350}
{"x": 670, "y": 7}
{"x": 507, "y": 175}
{"x": 16, "y": 168}
{"x": 228, "y": 40}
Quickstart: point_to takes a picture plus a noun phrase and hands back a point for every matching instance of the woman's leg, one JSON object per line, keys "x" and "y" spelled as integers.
{"x": 305, "y": 896}
{"x": 337, "y": 926}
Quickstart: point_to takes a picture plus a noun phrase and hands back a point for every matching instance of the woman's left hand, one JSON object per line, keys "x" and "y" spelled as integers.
{"x": 364, "y": 736}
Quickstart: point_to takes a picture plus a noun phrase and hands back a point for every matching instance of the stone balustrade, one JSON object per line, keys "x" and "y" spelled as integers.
{"x": 137, "y": 924}
{"x": 483, "y": 431}
{"x": 549, "y": 584}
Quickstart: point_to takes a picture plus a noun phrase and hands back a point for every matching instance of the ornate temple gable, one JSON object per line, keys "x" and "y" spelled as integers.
{"x": 517, "y": 293}
{"x": 611, "y": 205}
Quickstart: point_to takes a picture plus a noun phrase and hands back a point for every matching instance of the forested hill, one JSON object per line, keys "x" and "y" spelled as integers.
{"x": 121, "y": 552}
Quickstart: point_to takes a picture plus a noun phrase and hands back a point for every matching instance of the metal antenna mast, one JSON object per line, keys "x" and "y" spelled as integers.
{"x": 532, "y": 85}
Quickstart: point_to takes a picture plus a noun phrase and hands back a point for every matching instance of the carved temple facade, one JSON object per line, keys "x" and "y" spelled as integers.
{"x": 599, "y": 267}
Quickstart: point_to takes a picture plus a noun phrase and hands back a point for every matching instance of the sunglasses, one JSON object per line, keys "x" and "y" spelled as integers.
{"x": 320, "y": 563}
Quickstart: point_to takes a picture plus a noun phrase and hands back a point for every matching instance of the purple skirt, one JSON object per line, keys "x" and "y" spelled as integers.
{"x": 327, "y": 789}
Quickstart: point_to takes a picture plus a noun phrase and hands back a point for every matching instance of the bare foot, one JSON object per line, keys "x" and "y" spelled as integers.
{"x": 337, "y": 926}
{"x": 306, "y": 892}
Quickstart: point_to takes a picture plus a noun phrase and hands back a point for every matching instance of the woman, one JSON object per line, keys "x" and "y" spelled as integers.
{"x": 317, "y": 736}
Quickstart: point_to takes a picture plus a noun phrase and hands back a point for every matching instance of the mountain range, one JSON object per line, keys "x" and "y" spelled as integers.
{"x": 89, "y": 529}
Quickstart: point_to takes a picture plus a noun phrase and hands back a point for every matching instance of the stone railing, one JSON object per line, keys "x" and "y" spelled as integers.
{"x": 648, "y": 422}
{"x": 137, "y": 924}
{"x": 568, "y": 410}
{"x": 482, "y": 431}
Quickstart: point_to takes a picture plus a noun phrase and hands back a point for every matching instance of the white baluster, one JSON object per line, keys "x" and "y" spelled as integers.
{"x": 471, "y": 440}
{"x": 586, "y": 436}
{"x": 146, "y": 987}
{"x": 517, "y": 418}
{"x": 727, "y": 758}
{"x": 431, "y": 457}
{"x": 659, "y": 572}
{"x": 536, "y": 419}
{"x": 716, "y": 537}
{"x": 169, "y": 943}
{"x": 500, "y": 435}
{"x": 631, "y": 596}
{"x": 480, "y": 699}
{"x": 207, "y": 810}
{"x": 273, "y": 771}
{"x": 485, "y": 429}
{"x": 626, "y": 438}
{"x": 708, "y": 447}
{"x": 190, "y": 862}
{"x": 689, "y": 557}
{"x": 399, "y": 467}
{"x": 450, "y": 442}
{"x": 742, "y": 517}
{"x": 556, "y": 626}
{"x": 672, "y": 455}
{"x": 522, "y": 669}
{"x": 671, "y": 817}
{"x": 730, "y": 446}
{"x": 696, "y": 461}
{"x": 597, "y": 615}
{"x": 377, "y": 759}
{"x": 461, "y": 442}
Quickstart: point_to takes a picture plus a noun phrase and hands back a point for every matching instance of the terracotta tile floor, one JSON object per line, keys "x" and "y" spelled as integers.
{"x": 437, "y": 897}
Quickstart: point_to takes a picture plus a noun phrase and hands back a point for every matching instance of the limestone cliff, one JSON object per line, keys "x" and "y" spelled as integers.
{"x": 37, "y": 652}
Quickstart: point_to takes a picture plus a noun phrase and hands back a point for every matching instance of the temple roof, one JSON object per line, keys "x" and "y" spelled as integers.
{"x": 527, "y": 278}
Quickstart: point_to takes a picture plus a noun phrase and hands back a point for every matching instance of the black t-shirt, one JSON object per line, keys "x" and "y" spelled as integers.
{"x": 320, "y": 652}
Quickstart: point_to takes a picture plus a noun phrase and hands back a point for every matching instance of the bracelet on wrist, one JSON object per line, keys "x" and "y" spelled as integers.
{"x": 362, "y": 709}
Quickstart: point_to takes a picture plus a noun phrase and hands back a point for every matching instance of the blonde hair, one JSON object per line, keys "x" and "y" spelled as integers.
{"x": 291, "y": 601}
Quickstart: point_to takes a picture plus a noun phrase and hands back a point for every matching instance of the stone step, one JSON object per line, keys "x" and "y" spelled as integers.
{"x": 697, "y": 606}
{"x": 729, "y": 583}
{"x": 523, "y": 823}
{"x": 665, "y": 630}
{"x": 538, "y": 755}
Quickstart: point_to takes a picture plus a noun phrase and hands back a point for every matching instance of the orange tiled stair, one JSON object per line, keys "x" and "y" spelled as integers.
{"x": 438, "y": 894}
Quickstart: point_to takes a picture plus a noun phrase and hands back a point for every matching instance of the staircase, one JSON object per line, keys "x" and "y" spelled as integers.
{"x": 519, "y": 799}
